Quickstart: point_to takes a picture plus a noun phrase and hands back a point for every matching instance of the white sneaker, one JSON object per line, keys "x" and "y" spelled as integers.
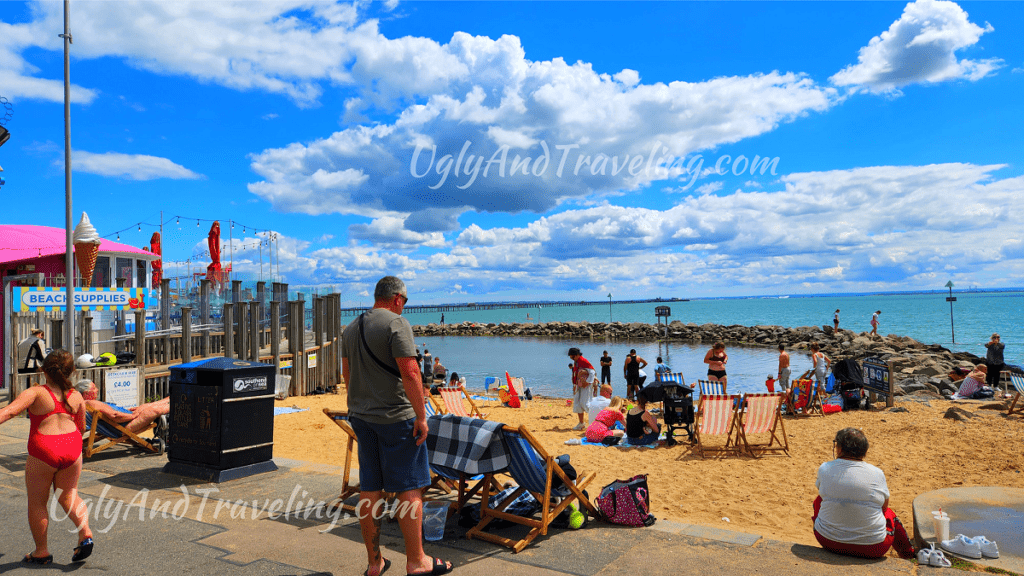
{"x": 962, "y": 546}
{"x": 924, "y": 555}
{"x": 989, "y": 549}
{"x": 938, "y": 559}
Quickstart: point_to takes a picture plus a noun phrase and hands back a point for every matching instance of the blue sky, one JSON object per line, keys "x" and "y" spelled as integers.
{"x": 888, "y": 133}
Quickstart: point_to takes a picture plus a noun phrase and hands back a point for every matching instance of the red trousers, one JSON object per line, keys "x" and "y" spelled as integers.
{"x": 895, "y": 537}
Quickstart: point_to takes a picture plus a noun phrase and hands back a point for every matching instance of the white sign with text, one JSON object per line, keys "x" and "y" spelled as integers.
{"x": 122, "y": 387}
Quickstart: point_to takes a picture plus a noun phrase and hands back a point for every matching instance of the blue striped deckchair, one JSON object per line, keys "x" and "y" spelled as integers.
{"x": 1018, "y": 383}
{"x": 431, "y": 407}
{"x": 676, "y": 377}
{"x": 534, "y": 470}
{"x": 711, "y": 388}
{"x": 114, "y": 433}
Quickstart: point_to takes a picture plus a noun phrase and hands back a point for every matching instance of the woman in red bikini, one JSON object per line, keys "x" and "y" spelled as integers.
{"x": 56, "y": 414}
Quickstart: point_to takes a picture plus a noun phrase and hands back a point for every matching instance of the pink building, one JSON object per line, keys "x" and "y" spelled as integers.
{"x": 26, "y": 249}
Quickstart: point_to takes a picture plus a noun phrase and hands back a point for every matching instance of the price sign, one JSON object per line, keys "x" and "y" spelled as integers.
{"x": 876, "y": 375}
{"x": 122, "y": 387}
{"x": 311, "y": 360}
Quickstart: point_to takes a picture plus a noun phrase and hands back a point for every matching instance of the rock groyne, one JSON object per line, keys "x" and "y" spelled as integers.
{"x": 919, "y": 368}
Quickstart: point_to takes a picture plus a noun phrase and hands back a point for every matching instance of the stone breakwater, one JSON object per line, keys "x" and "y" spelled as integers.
{"x": 921, "y": 369}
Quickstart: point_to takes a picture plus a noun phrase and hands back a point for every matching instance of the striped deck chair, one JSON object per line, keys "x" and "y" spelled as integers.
{"x": 534, "y": 470}
{"x": 431, "y": 406}
{"x": 716, "y": 416}
{"x": 676, "y": 377}
{"x": 711, "y": 388}
{"x": 762, "y": 415}
{"x": 453, "y": 396}
{"x": 114, "y": 434}
{"x": 1018, "y": 383}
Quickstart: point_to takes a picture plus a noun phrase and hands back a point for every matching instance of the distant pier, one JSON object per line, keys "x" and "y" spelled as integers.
{"x": 473, "y": 306}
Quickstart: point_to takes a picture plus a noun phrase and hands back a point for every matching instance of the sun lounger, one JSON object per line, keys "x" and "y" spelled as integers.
{"x": 716, "y": 416}
{"x": 102, "y": 428}
{"x": 535, "y": 471}
{"x": 712, "y": 388}
{"x": 761, "y": 414}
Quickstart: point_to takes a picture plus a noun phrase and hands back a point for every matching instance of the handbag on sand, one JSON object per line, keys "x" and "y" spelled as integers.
{"x": 627, "y": 502}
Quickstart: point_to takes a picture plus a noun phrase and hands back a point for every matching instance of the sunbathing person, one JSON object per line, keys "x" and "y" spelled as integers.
{"x": 136, "y": 421}
{"x": 851, "y": 513}
{"x": 641, "y": 426}
{"x": 973, "y": 383}
{"x": 605, "y": 420}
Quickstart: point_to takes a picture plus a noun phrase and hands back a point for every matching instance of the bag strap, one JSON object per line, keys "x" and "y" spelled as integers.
{"x": 389, "y": 369}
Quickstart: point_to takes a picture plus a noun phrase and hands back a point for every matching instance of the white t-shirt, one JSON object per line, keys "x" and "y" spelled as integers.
{"x": 595, "y": 406}
{"x": 852, "y": 494}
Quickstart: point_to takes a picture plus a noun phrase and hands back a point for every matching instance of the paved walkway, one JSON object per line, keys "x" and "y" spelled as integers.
{"x": 144, "y": 523}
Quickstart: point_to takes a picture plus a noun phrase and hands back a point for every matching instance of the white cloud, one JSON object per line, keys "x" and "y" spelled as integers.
{"x": 920, "y": 47}
{"x": 130, "y": 166}
{"x": 391, "y": 233}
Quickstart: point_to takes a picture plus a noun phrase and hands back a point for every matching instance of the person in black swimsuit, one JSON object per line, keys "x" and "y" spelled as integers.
{"x": 641, "y": 426}
{"x": 716, "y": 359}
{"x": 631, "y": 370}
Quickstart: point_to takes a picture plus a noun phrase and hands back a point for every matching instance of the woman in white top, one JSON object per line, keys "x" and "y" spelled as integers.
{"x": 851, "y": 513}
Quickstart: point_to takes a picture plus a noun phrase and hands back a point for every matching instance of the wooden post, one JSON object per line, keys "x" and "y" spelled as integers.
{"x": 254, "y": 335}
{"x": 119, "y": 325}
{"x": 236, "y": 297}
{"x": 242, "y": 347}
{"x": 229, "y": 331}
{"x": 56, "y": 333}
{"x": 204, "y": 316}
{"x": 87, "y": 333}
{"x": 275, "y": 334}
{"x": 261, "y": 312}
{"x": 297, "y": 346}
{"x": 140, "y": 342}
{"x": 165, "y": 318}
{"x": 186, "y": 334}
{"x": 891, "y": 398}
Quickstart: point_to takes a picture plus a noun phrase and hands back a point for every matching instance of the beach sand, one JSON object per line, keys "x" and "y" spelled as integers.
{"x": 918, "y": 450}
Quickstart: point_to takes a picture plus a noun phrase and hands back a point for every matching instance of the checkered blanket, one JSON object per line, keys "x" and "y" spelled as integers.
{"x": 469, "y": 445}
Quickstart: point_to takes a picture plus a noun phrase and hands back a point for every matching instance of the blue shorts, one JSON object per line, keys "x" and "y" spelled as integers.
{"x": 389, "y": 458}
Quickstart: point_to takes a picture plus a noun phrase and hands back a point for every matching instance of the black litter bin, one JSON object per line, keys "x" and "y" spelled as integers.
{"x": 222, "y": 419}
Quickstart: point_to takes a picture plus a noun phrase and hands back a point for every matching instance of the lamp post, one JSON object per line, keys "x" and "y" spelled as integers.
{"x": 609, "y": 307}
{"x": 69, "y": 262}
{"x": 951, "y": 299}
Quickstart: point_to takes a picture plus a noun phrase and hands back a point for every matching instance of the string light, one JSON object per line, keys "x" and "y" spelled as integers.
{"x": 177, "y": 220}
{"x": 140, "y": 226}
{"x": 197, "y": 223}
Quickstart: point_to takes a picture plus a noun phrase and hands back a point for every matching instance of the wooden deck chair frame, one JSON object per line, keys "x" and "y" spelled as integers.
{"x": 464, "y": 486}
{"x": 548, "y": 511}
{"x": 1018, "y": 383}
{"x": 126, "y": 437}
{"x": 762, "y": 414}
{"x": 717, "y": 403}
{"x": 814, "y": 407}
{"x": 454, "y": 393}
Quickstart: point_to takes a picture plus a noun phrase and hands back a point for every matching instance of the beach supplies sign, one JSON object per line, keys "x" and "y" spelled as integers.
{"x": 34, "y": 299}
{"x": 876, "y": 375}
{"x": 122, "y": 387}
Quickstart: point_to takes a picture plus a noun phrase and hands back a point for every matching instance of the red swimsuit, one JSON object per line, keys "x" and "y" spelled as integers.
{"x": 55, "y": 450}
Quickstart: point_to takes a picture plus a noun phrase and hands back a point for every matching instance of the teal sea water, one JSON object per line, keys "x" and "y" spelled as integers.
{"x": 543, "y": 362}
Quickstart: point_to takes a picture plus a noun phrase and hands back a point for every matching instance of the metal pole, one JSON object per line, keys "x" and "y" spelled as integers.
{"x": 69, "y": 262}
{"x": 951, "y": 299}
{"x": 609, "y": 307}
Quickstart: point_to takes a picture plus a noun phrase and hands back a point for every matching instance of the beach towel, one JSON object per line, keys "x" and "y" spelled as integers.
{"x": 470, "y": 445}
{"x": 278, "y": 411}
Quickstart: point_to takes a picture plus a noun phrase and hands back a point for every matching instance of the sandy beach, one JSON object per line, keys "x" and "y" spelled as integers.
{"x": 918, "y": 450}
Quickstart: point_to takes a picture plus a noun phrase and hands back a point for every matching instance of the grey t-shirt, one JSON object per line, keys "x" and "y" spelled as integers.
{"x": 374, "y": 394}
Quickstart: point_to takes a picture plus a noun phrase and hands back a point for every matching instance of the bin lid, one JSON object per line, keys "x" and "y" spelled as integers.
{"x": 220, "y": 364}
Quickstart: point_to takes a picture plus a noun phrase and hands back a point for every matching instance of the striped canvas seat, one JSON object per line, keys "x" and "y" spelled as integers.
{"x": 453, "y": 396}
{"x": 114, "y": 433}
{"x": 534, "y": 470}
{"x": 762, "y": 415}
{"x": 431, "y": 408}
{"x": 676, "y": 377}
{"x": 710, "y": 388}
{"x": 716, "y": 416}
{"x": 1018, "y": 383}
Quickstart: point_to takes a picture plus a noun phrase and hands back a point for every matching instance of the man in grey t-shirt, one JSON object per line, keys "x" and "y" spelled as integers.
{"x": 385, "y": 405}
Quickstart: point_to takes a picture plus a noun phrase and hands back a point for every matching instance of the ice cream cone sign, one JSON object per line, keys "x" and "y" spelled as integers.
{"x": 87, "y": 247}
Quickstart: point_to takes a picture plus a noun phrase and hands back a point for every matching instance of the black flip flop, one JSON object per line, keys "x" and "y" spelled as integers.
{"x": 440, "y": 567}
{"x": 30, "y": 559}
{"x": 83, "y": 550}
{"x": 387, "y": 564}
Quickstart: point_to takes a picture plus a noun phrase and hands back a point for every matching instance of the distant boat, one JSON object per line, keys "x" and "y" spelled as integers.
{"x": 783, "y": 297}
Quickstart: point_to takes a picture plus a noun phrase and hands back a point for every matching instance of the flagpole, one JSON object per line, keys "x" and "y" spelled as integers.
{"x": 69, "y": 262}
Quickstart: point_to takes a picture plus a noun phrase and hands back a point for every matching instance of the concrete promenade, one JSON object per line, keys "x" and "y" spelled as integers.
{"x": 231, "y": 532}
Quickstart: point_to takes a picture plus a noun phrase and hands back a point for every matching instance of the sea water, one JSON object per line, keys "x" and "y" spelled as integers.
{"x": 543, "y": 362}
